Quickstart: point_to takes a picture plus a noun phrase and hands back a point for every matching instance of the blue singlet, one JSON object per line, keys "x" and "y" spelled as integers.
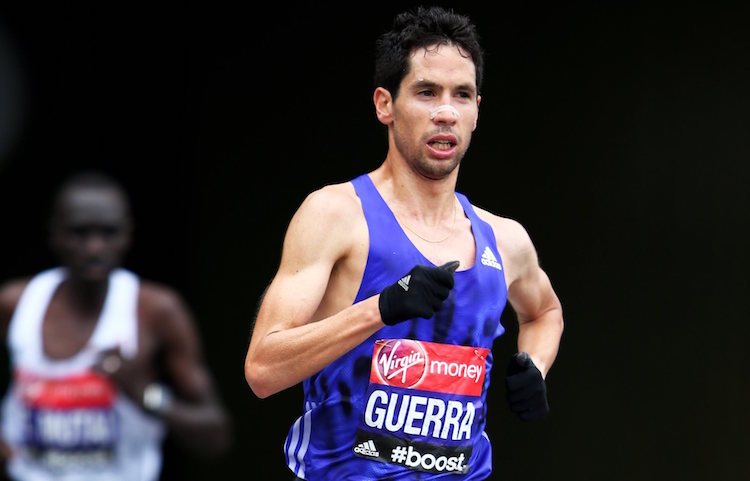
{"x": 409, "y": 402}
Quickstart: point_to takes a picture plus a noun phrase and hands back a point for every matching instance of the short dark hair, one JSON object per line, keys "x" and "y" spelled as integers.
{"x": 420, "y": 28}
{"x": 89, "y": 179}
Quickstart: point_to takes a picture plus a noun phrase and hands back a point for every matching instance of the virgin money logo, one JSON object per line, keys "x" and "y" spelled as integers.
{"x": 401, "y": 363}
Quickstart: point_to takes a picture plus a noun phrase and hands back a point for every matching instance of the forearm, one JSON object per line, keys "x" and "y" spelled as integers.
{"x": 202, "y": 427}
{"x": 540, "y": 337}
{"x": 281, "y": 359}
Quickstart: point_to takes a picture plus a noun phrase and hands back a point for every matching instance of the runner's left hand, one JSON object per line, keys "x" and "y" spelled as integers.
{"x": 526, "y": 388}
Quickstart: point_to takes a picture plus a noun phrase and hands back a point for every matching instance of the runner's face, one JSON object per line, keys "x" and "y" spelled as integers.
{"x": 433, "y": 141}
{"x": 91, "y": 232}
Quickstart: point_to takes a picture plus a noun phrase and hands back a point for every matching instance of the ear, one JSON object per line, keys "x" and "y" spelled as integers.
{"x": 479, "y": 99}
{"x": 383, "y": 105}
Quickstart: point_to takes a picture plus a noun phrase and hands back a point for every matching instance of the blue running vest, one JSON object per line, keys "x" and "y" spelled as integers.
{"x": 409, "y": 402}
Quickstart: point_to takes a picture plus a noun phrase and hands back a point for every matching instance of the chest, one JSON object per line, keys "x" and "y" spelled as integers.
{"x": 67, "y": 327}
{"x": 458, "y": 247}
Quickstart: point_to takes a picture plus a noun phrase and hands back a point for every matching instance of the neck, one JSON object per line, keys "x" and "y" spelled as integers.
{"x": 415, "y": 196}
{"x": 86, "y": 293}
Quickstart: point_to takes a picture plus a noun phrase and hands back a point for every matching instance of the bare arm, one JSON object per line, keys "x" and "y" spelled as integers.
{"x": 531, "y": 294}
{"x": 304, "y": 321}
{"x": 194, "y": 415}
{"x": 10, "y": 293}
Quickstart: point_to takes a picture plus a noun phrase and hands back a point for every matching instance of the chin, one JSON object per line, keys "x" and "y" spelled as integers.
{"x": 440, "y": 172}
{"x": 92, "y": 275}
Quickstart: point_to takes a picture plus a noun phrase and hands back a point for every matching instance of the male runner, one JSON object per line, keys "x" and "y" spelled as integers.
{"x": 391, "y": 287}
{"x": 104, "y": 363}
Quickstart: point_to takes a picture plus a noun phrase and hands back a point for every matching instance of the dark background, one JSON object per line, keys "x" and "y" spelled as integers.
{"x": 615, "y": 131}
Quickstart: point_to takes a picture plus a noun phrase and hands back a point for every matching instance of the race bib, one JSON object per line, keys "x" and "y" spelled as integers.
{"x": 421, "y": 405}
{"x": 70, "y": 422}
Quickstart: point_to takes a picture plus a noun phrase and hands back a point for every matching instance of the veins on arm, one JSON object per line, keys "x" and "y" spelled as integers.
{"x": 535, "y": 302}
{"x": 298, "y": 329}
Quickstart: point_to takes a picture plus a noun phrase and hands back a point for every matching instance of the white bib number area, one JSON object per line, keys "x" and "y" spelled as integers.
{"x": 69, "y": 422}
{"x": 421, "y": 405}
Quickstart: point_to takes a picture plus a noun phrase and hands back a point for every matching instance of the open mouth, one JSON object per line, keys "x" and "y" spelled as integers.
{"x": 441, "y": 144}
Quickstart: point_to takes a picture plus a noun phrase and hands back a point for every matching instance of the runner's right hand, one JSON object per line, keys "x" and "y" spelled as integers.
{"x": 419, "y": 293}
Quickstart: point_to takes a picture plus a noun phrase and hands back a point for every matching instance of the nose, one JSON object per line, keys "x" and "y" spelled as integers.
{"x": 444, "y": 114}
{"x": 94, "y": 244}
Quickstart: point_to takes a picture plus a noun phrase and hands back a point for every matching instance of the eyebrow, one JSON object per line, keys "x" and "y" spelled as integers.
{"x": 465, "y": 87}
{"x": 425, "y": 83}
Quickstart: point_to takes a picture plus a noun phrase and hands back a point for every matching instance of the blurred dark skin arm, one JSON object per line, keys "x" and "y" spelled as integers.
{"x": 10, "y": 293}
{"x": 170, "y": 352}
{"x": 197, "y": 416}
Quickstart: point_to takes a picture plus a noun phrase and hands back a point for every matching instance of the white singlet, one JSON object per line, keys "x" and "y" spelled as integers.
{"x": 64, "y": 421}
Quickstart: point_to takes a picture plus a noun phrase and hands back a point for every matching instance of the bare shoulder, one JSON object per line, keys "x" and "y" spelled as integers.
{"x": 514, "y": 244}
{"x": 328, "y": 219}
{"x": 10, "y": 293}
{"x": 511, "y": 235}
{"x": 162, "y": 308}
{"x": 159, "y": 297}
{"x": 335, "y": 203}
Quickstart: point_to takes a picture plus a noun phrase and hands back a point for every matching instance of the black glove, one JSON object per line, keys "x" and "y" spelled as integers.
{"x": 527, "y": 391}
{"x": 420, "y": 293}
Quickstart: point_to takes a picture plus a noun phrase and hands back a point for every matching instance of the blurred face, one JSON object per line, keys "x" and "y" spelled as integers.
{"x": 91, "y": 231}
{"x": 436, "y": 110}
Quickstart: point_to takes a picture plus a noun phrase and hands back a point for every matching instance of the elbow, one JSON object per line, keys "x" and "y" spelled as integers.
{"x": 554, "y": 315}
{"x": 259, "y": 381}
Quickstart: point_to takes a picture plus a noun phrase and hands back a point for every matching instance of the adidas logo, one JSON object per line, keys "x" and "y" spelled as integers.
{"x": 489, "y": 259}
{"x": 367, "y": 449}
{"x": 404, "y": 282}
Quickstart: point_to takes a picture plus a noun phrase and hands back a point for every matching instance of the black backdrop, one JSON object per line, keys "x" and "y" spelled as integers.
{"x": 615, "y": 131}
